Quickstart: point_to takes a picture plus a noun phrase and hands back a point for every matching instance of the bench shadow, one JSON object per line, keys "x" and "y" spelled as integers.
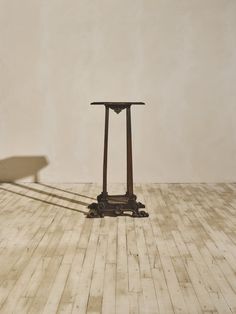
{"x": 20, "y": 167}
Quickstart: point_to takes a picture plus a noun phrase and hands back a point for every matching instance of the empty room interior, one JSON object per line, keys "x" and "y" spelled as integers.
{"x": 118, "y": 157}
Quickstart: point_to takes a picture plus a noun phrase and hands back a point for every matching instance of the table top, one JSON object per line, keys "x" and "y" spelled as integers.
{"x": 118, "y": 103}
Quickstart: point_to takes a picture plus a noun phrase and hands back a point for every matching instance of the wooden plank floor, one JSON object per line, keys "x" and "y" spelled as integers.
{"x": 182, "y": 259}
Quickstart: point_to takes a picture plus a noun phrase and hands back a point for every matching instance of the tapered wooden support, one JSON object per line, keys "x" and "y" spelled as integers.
{"x": 105, "y": 150}
{"x": 129, "y": 153}
{"x": 117, "y": 204}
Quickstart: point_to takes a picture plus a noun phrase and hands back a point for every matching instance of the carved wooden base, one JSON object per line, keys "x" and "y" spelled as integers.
{"x": 116, "y": 205}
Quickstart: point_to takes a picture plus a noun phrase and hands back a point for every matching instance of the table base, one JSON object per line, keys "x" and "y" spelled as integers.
{"x": 116, "y": 205}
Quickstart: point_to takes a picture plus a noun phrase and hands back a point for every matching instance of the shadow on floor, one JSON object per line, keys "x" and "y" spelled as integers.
{"x": 20, "y": 167}
{"x": 47, "y": 202}
{"x": 73, "y": 193}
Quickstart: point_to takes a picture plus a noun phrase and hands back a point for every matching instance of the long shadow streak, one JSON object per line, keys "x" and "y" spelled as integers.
{"x": 47, "y": 202}
{"x": 58, "y": 189}
{"x": 50, "y": 194}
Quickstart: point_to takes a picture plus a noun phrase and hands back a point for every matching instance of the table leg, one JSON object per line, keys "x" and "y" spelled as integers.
{"x": 105, "y": 151}
{"x": 129, "y": 153}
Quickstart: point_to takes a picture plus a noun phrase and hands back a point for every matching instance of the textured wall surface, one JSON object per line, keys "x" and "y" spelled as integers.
{"x": 179, "y": 56}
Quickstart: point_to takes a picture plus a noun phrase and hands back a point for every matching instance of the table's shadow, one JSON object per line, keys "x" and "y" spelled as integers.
{"x": 19, "y": 167}
{"x": 45, "y": 201}
{"x": 62, "y": 190}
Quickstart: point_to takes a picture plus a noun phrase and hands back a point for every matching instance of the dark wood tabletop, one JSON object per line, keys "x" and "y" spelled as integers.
{"x": 117, "y": 103}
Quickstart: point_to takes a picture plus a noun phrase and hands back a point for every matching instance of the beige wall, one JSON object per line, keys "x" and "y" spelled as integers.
{"x": 179, "y": 56}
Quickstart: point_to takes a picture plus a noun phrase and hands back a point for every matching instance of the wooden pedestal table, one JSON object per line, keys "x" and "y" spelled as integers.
{"x": 115, "y": 205}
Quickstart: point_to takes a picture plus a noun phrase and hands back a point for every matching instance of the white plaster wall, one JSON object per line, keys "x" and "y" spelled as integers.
{"x": 179, "y": 56}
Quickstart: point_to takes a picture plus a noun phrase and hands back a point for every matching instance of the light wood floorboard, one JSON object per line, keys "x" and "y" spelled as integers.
{"x": 181, "y": 259}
